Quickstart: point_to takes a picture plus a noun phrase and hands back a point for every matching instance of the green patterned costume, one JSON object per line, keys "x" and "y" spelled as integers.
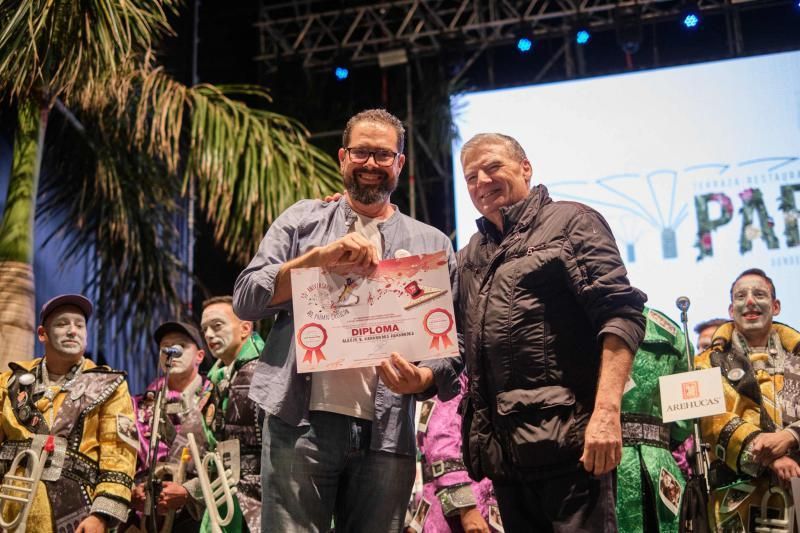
{"x": 643, "y": 501}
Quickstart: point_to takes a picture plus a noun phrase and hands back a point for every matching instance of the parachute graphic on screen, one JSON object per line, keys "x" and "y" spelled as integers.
{"x": 642, "y": 199}
{"x": 627, "y": 231}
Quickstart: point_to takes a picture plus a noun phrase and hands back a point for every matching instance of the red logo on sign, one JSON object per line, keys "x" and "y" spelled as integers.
{"x": 690, "y": 390}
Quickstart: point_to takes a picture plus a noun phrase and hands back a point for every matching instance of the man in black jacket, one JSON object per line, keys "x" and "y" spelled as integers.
{"x": 550, "y": 327}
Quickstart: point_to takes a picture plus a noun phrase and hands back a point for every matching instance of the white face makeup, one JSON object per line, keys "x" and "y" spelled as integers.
{"x": 752, "y": 307}
{"x": 65, "y": 331}
{"x": 219, "y": 326}
{"x": 187, "y": 362}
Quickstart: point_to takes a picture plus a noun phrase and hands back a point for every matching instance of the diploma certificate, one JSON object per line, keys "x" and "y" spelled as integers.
{"x": 344, "y": 320}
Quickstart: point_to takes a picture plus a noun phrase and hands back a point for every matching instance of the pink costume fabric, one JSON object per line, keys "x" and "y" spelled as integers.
{"x": 682, "y": 454}
{"x": 442, "y": 442}
{"x": 186, "y": 419}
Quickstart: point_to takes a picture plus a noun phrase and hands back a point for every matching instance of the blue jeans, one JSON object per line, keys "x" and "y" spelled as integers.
{"x": 311, "y": 474}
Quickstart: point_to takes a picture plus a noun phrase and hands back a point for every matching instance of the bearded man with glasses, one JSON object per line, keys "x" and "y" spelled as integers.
{"x": 340, "y": 444}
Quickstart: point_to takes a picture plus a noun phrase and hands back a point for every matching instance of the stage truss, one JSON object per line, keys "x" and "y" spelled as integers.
{"x": 322, "y": 33}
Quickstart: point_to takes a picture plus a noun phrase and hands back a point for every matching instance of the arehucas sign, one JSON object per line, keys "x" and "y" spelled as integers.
{"x": 691, "y": 395}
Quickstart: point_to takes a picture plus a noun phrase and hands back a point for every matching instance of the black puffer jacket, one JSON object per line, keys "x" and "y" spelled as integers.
{"x": 534, "y": 302}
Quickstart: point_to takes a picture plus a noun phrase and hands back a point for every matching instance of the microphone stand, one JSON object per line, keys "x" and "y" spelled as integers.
{"x": 700, "y": 449}
{"x": 153, "y": 485}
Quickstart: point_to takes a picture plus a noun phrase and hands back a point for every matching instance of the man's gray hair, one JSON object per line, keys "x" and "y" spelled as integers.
{"x": 378, "y": 116}
{"x": 515, "y": 149}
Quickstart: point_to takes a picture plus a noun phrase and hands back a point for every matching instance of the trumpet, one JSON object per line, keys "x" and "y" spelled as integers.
{"x": 217, "y": 492}
{"x": 22, "y": 489}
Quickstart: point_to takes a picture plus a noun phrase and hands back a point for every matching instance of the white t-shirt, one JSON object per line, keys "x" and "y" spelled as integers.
{"x": 349, "y": 392}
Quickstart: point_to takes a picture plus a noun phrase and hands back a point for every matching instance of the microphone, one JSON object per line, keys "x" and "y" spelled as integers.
{"x": 175, "y": 350}
{"x": 682, "y": 303}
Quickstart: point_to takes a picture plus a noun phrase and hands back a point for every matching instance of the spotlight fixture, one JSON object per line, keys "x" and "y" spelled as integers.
{"x": 524, "y": 44}
{"x": 341, "y": 73}
{"x": 582, "y": 36}
{"x": 690, "y": 15}
{"x": 628, "y": 21}
{"x": 524, "y": 35}
{"x": 691, "y": 20}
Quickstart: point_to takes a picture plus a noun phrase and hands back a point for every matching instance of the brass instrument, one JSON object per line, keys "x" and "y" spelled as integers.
{"x": 221, "y": 490}
{"x": 177, "y": 478}
{"x": 785, "y": 523}
{"x": 163, "y": 472}
{"x": 22, "y": 489}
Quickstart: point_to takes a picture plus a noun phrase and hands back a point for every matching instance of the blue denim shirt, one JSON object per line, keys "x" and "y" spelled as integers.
{"x": 276, "y": 385}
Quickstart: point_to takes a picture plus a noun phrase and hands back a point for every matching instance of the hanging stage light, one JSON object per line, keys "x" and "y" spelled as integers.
{"x": 628, "y": 21}
{"x": 691, "y": 20}
{"x": 690, "y": 15}
{"x": 523, "y": 33}
{"x": 341, "y": 73}
{"x": 582, "y": 36}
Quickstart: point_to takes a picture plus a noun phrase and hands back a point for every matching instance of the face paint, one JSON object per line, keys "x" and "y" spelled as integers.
{"x": 185, "y": 363}
{"x": 66, "y": 331}
{"x": 753, "y": 307}
{"x": 218, "y": 325}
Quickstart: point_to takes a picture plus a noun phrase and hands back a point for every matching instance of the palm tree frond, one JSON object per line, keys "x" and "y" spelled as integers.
{"x": 119, "y": 210}
{"x": 249, "y": 163}
{"x": 49, "y": 47}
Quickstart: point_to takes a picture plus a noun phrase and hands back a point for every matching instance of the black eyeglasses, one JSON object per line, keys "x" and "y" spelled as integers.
{"x": 359, "y": 156}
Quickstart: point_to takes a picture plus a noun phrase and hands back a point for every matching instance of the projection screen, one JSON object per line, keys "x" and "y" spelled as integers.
{"x": 696, "y": 169}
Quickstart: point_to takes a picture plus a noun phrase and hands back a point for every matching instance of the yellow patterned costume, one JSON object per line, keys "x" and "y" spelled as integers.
{"x": 91, "y": 416}
{"x": 751, "y": 382}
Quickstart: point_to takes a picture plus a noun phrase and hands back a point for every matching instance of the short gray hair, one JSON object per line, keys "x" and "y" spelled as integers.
{"x": 378, "y": 116}
{"x": 515, "y": 149}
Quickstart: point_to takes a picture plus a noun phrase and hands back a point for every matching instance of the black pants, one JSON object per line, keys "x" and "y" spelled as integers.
{"x": 574, "y": 503}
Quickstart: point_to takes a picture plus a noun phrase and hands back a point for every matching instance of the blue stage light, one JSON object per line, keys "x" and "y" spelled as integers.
{"x": 691, "y": 20}
{"x": 341, "y": 73}
{"x": 524, "y": 44}
{"x": 582, "y": 37}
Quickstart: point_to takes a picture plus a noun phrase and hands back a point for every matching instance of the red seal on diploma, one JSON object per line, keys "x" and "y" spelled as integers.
{"x": 312, "y": 337}
{"x": 438, "y": 323}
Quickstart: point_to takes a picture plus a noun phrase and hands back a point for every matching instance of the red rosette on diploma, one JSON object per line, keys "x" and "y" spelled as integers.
{"x": 438, "y": 323}
{"x": 312, "y": 337}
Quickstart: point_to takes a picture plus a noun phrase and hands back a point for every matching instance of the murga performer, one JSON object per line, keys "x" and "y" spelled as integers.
{"x": 231, "y": 414}
{"x": 76, "y": 417}
{"x": 754, "y": 443}
{"x": 649, "y": 481}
